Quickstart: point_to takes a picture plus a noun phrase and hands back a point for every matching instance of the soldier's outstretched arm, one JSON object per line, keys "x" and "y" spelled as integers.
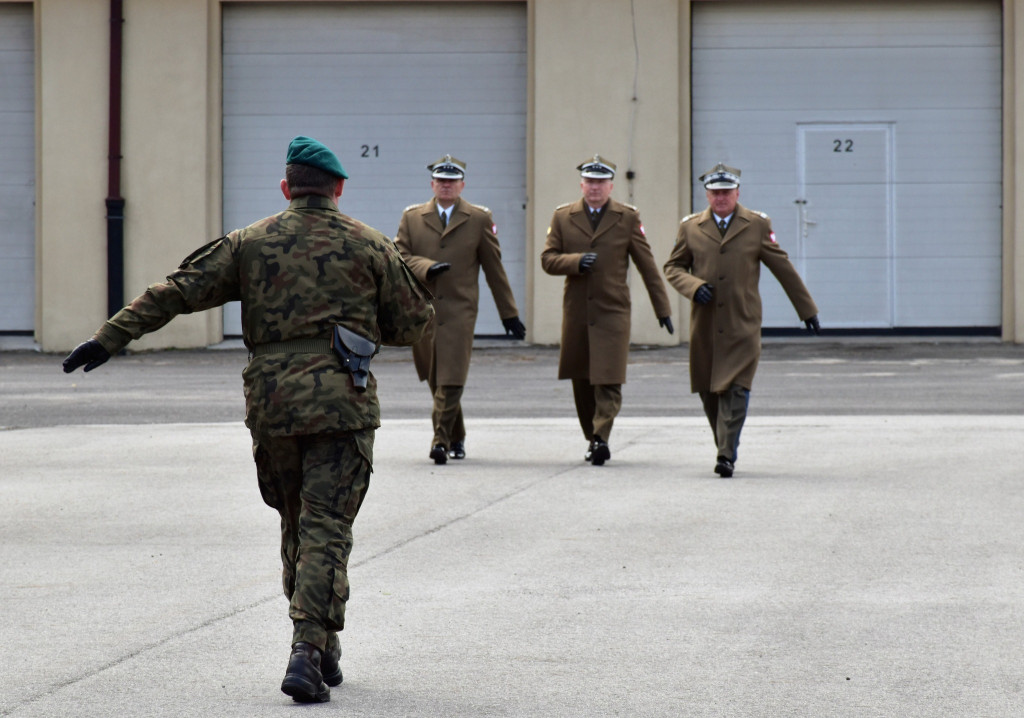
{"x": 404, "y": 307}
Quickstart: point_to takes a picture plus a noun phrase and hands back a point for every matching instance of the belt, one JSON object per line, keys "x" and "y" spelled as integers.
{"x": 295, "y": 346}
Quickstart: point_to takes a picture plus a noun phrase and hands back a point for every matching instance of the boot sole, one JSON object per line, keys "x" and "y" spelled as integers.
{"x": 303, "y": 691}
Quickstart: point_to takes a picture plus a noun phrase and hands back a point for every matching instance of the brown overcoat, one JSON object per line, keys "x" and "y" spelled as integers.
{"x": 469, "y": 243}
{"x": 725, "y": 333}
{"x": 596, "y": 305}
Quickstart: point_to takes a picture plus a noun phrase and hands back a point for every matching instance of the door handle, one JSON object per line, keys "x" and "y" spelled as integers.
{"x": 804, "y": 221}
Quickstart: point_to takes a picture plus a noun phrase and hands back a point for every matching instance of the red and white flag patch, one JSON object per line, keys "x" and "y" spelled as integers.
{"x": 771, "y": 236}
{"x": 642, "y": 230}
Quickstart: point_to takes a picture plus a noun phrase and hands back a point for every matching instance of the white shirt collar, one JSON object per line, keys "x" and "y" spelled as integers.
{"x": 718, "y": 220}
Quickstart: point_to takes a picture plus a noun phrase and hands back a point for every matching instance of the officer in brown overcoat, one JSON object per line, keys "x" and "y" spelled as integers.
{"x": 716, "y": 263}
{"x": 590, "y": 242}
{"x": 446, "y": 242}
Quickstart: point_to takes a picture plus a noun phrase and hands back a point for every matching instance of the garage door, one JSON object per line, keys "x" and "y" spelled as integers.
{"x": 17, "y": 170}
{"x": 390, "y": 87}
{"x": 871, "y": 133}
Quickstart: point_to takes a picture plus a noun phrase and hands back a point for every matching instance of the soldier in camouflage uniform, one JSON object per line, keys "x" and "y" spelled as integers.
{"x": 298, "y": 274}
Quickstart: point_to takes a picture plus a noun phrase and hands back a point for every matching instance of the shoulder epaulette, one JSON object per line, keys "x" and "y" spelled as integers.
{"x": 563, "y": 206}
{"x": 480, "y": 206}
{"x": 761, "y": 214}
{"x": 632, "y": 207}
{"x": 414, "y": 206}
{"x": 688, "y": 217}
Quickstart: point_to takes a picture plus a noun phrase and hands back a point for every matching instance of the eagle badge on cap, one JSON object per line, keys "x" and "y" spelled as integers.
{"x": 447, "y": 168}
{"x": 721, "y": 177}
{"x": 597, "y": 168}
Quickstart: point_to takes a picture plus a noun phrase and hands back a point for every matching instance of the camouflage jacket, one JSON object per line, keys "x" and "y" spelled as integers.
{"x": 297, "y": 274}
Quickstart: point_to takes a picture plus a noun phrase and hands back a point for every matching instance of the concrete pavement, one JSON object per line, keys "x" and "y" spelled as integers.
{"x": 857, "y": 565}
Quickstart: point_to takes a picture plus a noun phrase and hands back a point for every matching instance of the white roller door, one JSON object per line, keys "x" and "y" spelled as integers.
{"x": 17, "y": 169}
{"x": 871, "y": 133}
{"x": 390, "y": 87}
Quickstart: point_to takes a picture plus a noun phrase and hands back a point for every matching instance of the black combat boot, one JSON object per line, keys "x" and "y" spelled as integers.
{"x": 330, "y": 663}
{"x": 303, "y": 680}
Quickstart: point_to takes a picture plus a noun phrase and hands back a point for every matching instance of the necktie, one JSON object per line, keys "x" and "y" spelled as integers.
{"x": 721, "y": 224}
{"x": 444, "y": 219}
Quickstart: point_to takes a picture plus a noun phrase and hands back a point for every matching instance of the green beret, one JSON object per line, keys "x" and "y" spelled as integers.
{"x": 307, "y": 151}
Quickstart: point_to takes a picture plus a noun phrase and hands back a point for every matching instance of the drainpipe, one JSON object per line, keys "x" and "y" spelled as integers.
{"x": 115, "y": 202}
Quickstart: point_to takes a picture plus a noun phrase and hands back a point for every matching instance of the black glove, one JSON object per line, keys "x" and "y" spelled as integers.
{"x": 703, "y": 294}
{"x": 514, "y": 327}
{"x": 587, "y": 261}
{"x": 812, "y": 325}
{"x": 667, "y": 323}
{"x": 90, "y": 353}
{"x": 436, "y": 269}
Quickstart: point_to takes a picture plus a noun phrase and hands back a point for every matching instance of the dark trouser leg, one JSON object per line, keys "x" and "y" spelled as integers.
{"x": 710, "y": 402}
{"x": 317, "y": 483}
{"x": 726, "y": 412}
{"x": 447, "y": 416}
{"x": 607, "y": 402}
{"x": 586, "y": 404}
{"x": 447, "y": 413}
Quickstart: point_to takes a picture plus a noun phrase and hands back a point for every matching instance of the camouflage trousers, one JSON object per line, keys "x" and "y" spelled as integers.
{"x": 317, "y": 483}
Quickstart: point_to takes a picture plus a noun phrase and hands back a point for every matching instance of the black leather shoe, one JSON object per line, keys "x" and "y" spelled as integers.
{"x": 599, "y": 451}
{"x": 303, "y": 680}
{"x": 458, "y": 450}
{"x": 439, "y": 454}
{"x": 724, "y": 467}
{"x": 330, "y": 666}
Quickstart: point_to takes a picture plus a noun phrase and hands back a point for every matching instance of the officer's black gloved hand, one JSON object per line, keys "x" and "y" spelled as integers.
{"x": 90, "y": 353}
{"x": 812, "y": 325}
{"x": 514, "y": 327}
{"x": 436, "y": 269}
{"x": 703, "y": 294}
{"x": 667, "y": 323}
{"x": 587, "y": 261}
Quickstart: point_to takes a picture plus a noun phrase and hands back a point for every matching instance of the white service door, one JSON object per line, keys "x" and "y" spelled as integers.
{"x": 844, "y": 245}
{"x": 390, "y": 87}
{"x": 919, "y": 79}
{"x": 17, "y": 169}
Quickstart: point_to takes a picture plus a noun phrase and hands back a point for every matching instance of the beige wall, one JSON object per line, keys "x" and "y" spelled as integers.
{"x": 1013, "y": 172}
{"x": 170, "y": 172}
{"x": 71, "y": 175}
{"x": 583, "y": 90}
{"x": 582, "y": 67}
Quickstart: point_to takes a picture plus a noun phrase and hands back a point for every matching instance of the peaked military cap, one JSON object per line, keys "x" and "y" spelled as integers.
{"x": 597, "y": 168}
{"x": 307, "y": 151}
{"x": 721, "y": 177}
{"x": 447, "y": 168}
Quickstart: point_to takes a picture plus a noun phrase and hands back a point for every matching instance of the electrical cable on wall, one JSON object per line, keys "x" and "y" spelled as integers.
{"x": 630, "y": 174}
